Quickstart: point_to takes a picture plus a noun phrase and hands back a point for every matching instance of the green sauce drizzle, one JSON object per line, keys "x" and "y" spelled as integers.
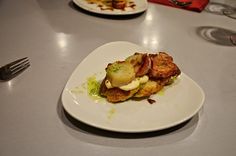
{"x": 93, "y": 87}
{"x": 77, "y": 90}
{"x": 161, "y": 92}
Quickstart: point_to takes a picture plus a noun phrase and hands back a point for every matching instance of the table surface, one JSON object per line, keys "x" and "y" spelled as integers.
{"x": 57, "y": 36}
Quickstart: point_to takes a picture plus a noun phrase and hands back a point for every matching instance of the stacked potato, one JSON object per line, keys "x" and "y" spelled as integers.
{"x": 138, "y": 76}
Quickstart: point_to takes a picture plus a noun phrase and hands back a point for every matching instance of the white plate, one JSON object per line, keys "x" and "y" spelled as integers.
{"x": 179, "y": 102}
{"x": 141, "y": 6}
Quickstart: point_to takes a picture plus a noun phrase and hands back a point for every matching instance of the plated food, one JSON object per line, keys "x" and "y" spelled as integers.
{"x": 113, "y": 7}
{"x": 138, "y": 76}
{"x": 119, "y": 4}
{"x": 113, "y": 4}
{"x": 175, "y": 103}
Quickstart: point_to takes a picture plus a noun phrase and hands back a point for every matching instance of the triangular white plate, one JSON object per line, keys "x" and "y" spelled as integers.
{"x": 176, "y": 104}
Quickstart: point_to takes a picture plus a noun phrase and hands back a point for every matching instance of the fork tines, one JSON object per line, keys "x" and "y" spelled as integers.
{"x": 18, "y": 65}
{"x": 14, "y": 68}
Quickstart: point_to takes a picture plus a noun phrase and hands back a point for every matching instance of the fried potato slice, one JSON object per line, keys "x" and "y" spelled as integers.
{"x": 163, "y": 66}
{"x": 115, "y": 95}
{"x": 141, "y": 63}
{"x": 149, "y": 88}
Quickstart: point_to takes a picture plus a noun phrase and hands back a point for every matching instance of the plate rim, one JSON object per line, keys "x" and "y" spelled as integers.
{"x": 143, "y": 130}
{"x": 77, "y": 2}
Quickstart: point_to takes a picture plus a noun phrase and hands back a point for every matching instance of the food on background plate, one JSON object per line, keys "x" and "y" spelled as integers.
{"x": 138, "y": 76}
{"x": 113, "y": 4}
{"x": 119, "y": 4}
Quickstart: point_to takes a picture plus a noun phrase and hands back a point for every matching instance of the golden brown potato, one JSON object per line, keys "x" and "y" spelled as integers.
{"x": 163, "y": 66}
{"x": 115, "y": 95}
{"x": 149, "y": 88}
{"x": 141, "y": 63}
{"x": 160, "y": 69}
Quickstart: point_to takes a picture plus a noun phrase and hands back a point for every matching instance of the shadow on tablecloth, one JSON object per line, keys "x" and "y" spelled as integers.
{"x": 216, "y": 35}
{"x": 86, "y": 133}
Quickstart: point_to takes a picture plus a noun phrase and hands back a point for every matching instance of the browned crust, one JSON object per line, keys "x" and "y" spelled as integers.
{"x": 119, "y": 4}
{"x": 149, "y": 88}
{"x": 163, "y": 66}
{"x": 115, "y": 95}
{"x": 160, "y": 70}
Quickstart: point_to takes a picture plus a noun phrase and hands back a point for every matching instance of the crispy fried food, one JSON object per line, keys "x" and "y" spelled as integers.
{"x": 119, "y": 4}
{"x": 141, "y": 63}
{"x": 163, "y": 66}
{"x": 149, "y": 88}
{"x": 160, "y": 69}
{"x": 115, "y": 95}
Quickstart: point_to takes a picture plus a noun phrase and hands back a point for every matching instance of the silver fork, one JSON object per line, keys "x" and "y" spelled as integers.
{"x": 181, "y": 4}
{"x": 14, "y": 68}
